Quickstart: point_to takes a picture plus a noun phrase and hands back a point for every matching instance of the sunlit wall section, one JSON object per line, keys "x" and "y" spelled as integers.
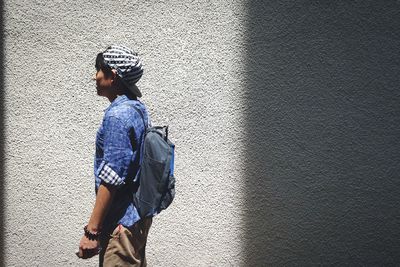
{"x": 194, "y": 68}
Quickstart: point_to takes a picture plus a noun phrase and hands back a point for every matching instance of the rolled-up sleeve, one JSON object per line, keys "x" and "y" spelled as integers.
{"x": 117, "y": 152}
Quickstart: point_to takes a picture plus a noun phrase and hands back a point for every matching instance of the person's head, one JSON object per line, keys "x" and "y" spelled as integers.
{"x": 118, "y": 69}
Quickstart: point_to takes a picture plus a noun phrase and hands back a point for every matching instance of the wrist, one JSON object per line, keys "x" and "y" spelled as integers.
{"x": 93, "y": 228}
{"x": 91, "y": 235}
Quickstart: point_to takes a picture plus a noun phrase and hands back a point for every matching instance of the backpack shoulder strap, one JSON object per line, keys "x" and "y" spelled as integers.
{"x": 141, "y": 115}
{"x": 140, "y": 158}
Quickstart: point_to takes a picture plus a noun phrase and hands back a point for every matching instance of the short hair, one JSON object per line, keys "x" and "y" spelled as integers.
{"x": 101, "y": 65}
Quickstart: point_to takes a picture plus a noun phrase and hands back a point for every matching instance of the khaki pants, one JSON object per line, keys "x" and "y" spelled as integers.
{"x": 125, "y": 246}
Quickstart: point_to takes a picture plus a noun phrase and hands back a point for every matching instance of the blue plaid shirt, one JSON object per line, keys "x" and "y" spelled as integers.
{"x": 117, "y": 157}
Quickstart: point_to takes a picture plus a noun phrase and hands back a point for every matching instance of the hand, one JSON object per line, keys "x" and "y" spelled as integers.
{"x": 88, "y": 248}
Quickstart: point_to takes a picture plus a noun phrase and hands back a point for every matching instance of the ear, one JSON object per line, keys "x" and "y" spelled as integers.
{"x": 113, "y": 75}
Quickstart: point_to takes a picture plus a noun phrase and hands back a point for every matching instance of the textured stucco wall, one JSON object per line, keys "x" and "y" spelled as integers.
{"x": 190, "y": 52}
{"x": 322, "y": 173}
{"x": 285, "y": 117}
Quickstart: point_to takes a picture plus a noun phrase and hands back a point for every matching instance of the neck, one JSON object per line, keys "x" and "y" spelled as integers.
{"x": 131, "y": 96}
{"x": 113, "y": 94}
{"x": 112, "y": 98}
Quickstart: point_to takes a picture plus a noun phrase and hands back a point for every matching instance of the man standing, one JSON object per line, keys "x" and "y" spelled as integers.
{"x": 115, "y": 229}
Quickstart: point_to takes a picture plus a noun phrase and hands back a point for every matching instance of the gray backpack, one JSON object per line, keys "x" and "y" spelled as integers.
{"x": 156, "y": 173}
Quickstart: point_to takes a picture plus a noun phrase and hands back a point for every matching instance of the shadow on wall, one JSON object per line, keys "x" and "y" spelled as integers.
{"x": 323, "y": 146}
{"x": 2, "y": 134}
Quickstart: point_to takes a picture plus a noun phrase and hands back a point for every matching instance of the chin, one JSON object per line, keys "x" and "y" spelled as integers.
{"x": 98, "y": 91}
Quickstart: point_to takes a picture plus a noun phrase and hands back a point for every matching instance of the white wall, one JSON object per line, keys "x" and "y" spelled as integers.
{"x": 191, "y": 53}
{"x": 285, "y": 116}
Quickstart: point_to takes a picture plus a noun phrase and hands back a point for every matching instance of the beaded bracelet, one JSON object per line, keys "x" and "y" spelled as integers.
{"x": 90, "y": 235}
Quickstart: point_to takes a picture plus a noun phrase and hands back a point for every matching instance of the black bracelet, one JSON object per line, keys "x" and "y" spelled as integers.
{"x": 90, "y": 235}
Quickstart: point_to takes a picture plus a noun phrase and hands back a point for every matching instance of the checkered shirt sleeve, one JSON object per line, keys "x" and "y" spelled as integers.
{"x": 109, "y": 176}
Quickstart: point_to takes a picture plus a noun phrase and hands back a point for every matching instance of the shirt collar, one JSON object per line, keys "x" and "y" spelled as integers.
{"x": 120, "y": 99}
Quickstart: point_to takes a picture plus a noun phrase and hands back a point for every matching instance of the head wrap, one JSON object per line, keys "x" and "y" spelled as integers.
{"x": 127, "y": 64}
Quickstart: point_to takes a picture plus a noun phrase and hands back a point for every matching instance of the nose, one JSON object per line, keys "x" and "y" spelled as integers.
{"x": 94, "y": 77}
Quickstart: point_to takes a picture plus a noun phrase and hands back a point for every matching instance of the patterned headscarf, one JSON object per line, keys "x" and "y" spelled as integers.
{"x": 127, "y": 64}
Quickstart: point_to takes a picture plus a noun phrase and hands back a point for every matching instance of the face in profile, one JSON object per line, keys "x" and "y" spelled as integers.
{"x": 103, "y": 83}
